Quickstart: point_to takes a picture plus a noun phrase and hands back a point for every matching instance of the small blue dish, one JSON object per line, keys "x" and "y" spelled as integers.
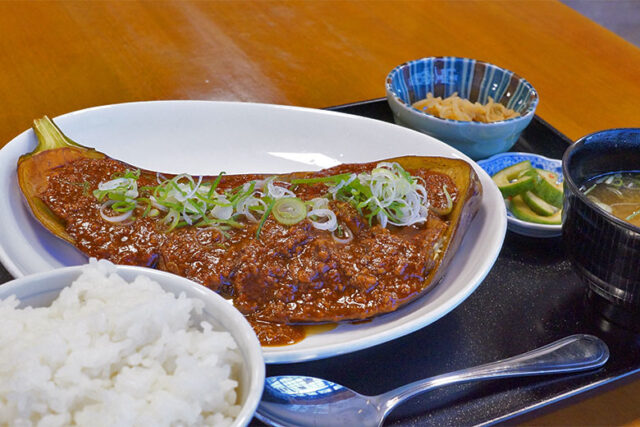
{"x": 498, "y": 162}
{"x": 473, "y": 80}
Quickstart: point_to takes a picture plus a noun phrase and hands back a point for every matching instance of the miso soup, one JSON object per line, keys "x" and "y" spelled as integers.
{"x": 617, "y": 193}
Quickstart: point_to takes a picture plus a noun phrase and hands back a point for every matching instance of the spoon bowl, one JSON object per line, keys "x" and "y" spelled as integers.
{"x": 292, "y": 400}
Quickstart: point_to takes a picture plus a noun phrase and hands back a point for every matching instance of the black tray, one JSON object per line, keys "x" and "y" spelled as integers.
{"x": 530, "y": 298}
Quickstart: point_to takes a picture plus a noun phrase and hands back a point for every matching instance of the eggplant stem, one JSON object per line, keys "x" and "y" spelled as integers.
{"x": 50, "y": 136}
{"x": 54, "y": 149}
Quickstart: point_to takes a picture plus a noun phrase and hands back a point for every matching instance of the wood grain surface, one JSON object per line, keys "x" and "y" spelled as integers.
{"x": 61, "y": 56}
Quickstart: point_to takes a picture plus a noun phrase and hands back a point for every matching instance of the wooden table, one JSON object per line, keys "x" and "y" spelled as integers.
{"x": 61, "y": 56}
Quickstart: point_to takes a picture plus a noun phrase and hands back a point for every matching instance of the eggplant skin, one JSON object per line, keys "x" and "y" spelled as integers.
{"x": 35, "y": 168}
{"x": 463, "y": 211}
{"x": 33, "y": 173}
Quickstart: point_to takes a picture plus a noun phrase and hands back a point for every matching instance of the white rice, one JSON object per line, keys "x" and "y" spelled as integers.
{"x": 113, "y": 353}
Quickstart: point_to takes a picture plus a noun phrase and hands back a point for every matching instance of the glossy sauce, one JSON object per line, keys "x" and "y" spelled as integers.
{"x": 292, "y": 274}
{"x": 280, "y": 334}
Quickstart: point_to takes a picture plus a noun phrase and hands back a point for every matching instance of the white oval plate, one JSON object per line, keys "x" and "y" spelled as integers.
{"x": 202, "y": 137}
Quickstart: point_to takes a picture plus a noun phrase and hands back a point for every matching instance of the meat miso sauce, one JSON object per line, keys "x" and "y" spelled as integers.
{"x": 342, "y": 244}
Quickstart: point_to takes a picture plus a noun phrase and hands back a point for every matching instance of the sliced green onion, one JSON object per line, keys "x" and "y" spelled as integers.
{"x": 123, "y": 206}
{"x": 289, "y": 210}
{"x": 447, "y": 209}
{"x": 389, "y": 194}
{"x": 264, "y": 218}
{"x": 213, "y": 187}
{"x": 633, "y": 215}
{"x": 243, "y": 192}
{"x": 172, "y": 219}
{"x": 129, "y": 174}
{"x": 323, "y": 219}
{"x": 116, "y": 218}
{"x": 617, "y": 181}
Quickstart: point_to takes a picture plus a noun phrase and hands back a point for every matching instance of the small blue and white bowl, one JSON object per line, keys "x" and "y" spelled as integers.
{"x": 472, "y": 80}
{"x": 498, "y": 162}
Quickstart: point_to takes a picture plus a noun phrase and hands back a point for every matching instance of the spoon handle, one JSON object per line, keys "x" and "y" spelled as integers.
{"x": 570, "y": 354}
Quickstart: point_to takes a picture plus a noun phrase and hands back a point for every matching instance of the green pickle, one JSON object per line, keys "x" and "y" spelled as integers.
{"x": 532, "y": 194}
{"x": 522, "y": 211}
{"x": 548, "y": 189}
{"x": 516, "y": 179}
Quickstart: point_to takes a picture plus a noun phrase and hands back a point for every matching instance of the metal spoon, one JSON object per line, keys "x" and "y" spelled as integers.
{"x": 292, "y": 400}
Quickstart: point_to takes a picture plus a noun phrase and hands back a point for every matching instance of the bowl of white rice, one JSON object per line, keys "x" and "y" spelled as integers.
{"x": 111, "y": 345}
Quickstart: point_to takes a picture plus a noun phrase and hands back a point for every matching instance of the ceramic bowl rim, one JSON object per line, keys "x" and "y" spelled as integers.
{"x": 411, "y": 110}
{"x": 579, "y": 194}
{"x": 256, "y": 371}
{"x": 549, "y": 228}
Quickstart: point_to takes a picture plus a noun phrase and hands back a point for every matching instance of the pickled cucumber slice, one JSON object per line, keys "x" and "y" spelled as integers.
{"x": 548, "y": 189}
{"x": 538, "y": 205}
{"x": 516, "y": 179}
{"x": 522, "y": 211}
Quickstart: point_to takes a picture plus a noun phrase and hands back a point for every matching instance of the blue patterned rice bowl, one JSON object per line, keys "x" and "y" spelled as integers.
{"x": 473, "y": 80}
